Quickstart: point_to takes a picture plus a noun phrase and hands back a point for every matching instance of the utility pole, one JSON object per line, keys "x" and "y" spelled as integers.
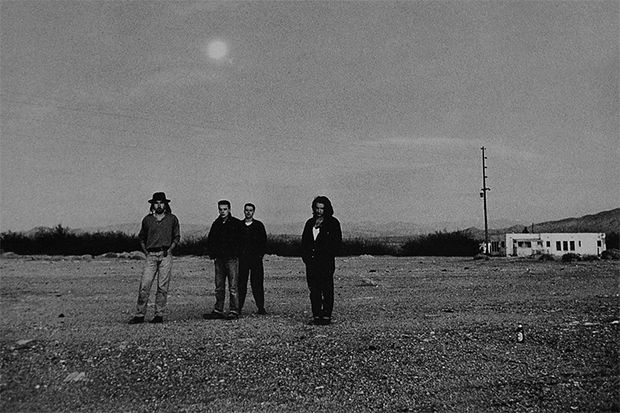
{"x": 483, "y": 195}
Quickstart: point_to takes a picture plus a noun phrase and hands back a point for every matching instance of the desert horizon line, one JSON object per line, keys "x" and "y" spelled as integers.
{"x": 494, "y": 224}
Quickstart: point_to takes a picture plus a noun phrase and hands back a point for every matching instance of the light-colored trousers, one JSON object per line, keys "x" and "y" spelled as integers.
{"x": 156, "y": 266}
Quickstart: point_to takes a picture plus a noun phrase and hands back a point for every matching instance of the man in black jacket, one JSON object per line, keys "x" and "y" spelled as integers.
{"x": 320, "y": 242}
{"x": 223, "y": 244}
{"x": 253, "y": 246}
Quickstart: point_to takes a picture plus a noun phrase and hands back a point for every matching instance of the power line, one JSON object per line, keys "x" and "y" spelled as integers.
{"x": 259, "y": 147}
{"x": 157, "y": 151}
{"x": 116, "y": 114}
{"x": 226, "y": 128}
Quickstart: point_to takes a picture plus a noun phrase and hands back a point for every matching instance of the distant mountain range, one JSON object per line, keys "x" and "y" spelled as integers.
{"x": 351, "y": 230}
{"x": 606, "y": 221}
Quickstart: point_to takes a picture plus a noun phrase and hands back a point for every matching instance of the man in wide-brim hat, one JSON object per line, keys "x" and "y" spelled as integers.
{"x": 159, "y": 196}
{"x": 159, "y": 234}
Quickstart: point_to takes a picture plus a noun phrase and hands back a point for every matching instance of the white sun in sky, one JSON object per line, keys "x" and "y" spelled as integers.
{"x": 217, "y": 50}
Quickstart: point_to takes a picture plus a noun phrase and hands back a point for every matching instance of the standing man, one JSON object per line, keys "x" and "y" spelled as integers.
{"x": 159, "y": 234}
{"x": 253, "y": 247}
{"x": 223, "y": 244}
{"x": 320, "y": 242}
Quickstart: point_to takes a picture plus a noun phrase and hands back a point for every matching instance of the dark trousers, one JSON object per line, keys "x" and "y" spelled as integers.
{"x": 320, "y": 277}
{"x": 252, "y": 267}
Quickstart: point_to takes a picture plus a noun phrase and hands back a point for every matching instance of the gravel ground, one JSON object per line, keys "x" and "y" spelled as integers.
{"x": 409, "y": 335}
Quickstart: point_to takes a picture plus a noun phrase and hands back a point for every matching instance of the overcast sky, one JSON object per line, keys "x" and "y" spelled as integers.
{"x": 382, "y": 106}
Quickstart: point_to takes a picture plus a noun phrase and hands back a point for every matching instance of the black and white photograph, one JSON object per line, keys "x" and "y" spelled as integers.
{"x": 309, "y": 206}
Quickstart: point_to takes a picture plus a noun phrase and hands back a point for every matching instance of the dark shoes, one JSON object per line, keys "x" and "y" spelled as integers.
{"x": 321, "y": 321}
{"x": 213, "y": 316}
{"x": 139, "y": 320}
{"x": 260, "y": 311}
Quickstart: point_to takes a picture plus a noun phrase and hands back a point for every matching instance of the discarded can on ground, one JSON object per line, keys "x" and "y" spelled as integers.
{"x": 520, "y": 334}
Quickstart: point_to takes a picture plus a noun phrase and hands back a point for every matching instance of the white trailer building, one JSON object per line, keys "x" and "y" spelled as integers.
{"x": 525, "y": 245}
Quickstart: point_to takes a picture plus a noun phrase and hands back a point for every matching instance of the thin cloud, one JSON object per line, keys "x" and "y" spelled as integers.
{"x": 433, "y": 142}
{"x": 177, "y": 78}
{"x": 500, "y": 150}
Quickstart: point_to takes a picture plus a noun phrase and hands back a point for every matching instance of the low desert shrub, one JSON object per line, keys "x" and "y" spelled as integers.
{"x": 612, "y": 240}
{"x": 447, "y": 244}
{"x": 284, "y": 245}
{"x": 192, "y": 246}
{"x": 61, "y": 241}
{"x": 611, "y": 254}
{"x": 367, "y": 246}
{"x": 546, "y": 257}
{"x": 570, "y": 257}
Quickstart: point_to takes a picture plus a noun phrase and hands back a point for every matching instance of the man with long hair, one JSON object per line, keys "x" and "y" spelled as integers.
{"x": 159, "y": 234}
{"x": 320, "y": 243}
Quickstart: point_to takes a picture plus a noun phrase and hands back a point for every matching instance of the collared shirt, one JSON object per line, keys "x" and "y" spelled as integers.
{"x": 162, "y": 233}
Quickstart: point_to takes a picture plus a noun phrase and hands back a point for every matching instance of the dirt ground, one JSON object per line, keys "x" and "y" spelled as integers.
{"x": 420, "y": 334}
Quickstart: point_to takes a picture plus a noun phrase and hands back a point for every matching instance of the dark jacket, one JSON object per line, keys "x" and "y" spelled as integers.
{"x": 327, "y": 243}
{"x": 224, "y": 239}
{"x": 253, "y": 239}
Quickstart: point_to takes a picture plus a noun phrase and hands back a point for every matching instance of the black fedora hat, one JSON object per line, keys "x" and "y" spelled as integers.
{"x": 159, "y": 196}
